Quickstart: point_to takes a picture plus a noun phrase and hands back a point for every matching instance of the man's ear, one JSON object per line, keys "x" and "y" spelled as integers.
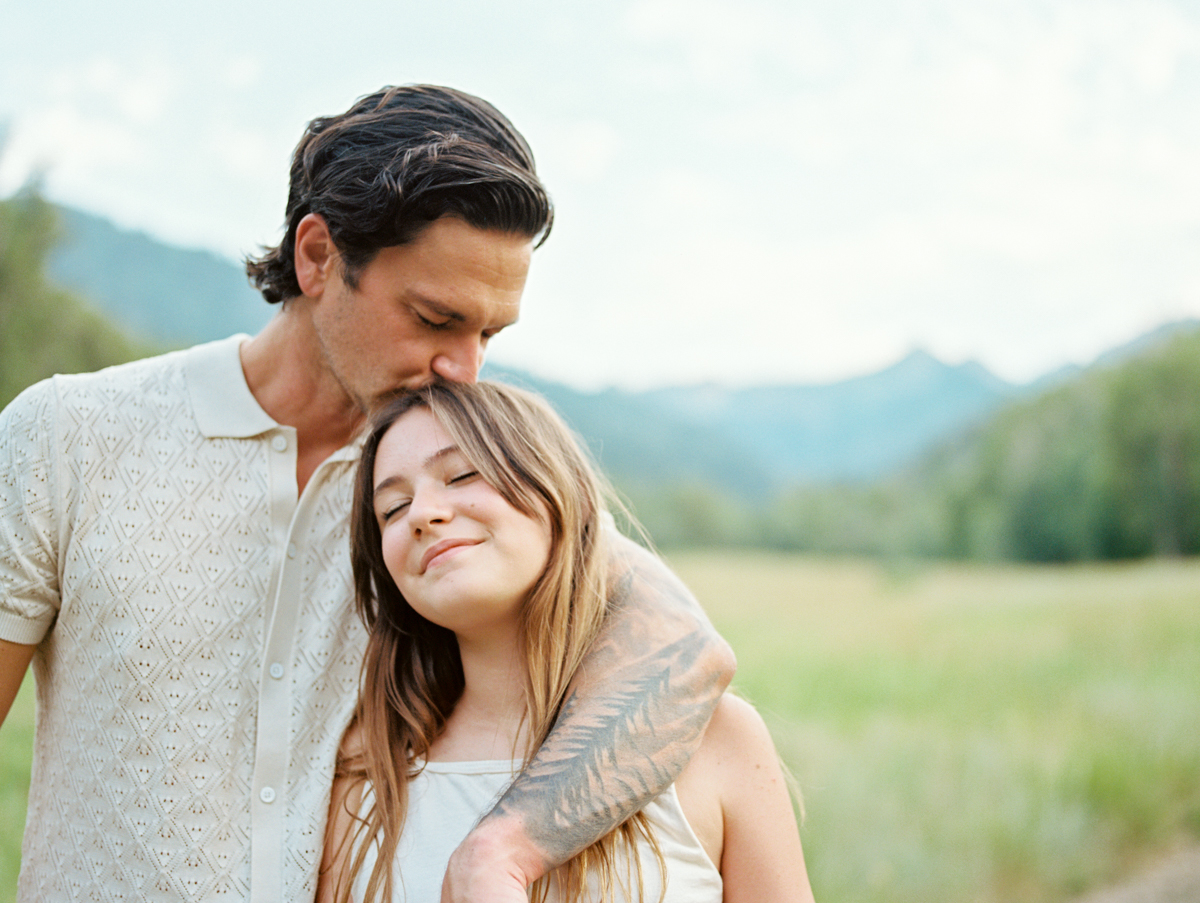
{"x": 315, "y": 254}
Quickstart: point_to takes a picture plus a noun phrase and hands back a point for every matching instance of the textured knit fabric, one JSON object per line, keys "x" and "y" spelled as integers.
{"x": 198, "y": 652}
{"x": 448, "y": 798}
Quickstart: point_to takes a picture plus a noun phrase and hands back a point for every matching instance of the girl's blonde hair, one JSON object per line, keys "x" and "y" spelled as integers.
{"x": 412, "y": 674}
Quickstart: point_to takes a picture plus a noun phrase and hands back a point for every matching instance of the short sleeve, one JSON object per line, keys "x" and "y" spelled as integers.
{"x": 29, "y": 584}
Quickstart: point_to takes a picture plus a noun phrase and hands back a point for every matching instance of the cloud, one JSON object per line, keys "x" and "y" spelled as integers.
{"x": 71, "y": 143}
{"x": 86, "y": 117}
{"x": 731, "y": 47}
{"x": 581, "y": 149}
{"x": 241, "y": 72}
{"x": 744, "y": 186}
{"x": 136, "y": 92}
{"x": 244, "y": 152}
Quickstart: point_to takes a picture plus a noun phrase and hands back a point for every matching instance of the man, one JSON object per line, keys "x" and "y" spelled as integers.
{"x": 173, "y": 548}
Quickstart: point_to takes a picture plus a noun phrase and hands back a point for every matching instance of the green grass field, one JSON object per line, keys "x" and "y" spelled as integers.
{"x": 16, "y": 747}
{"x": 961, "y": 733}
{"x": 968, "y": 733}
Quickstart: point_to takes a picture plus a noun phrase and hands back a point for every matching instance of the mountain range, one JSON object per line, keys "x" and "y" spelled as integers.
{"x": 749, "y": 442}
{"x": 155, "y": 291}
{"x": 753, "y": 441}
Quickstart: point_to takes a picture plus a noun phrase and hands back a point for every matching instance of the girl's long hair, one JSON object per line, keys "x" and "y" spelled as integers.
{"x": 412, "y": 674}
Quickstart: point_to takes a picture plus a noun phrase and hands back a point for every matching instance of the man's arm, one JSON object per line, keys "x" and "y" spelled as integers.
{"x": 635, "y": 714}
{"x": 28, "y": 532}
{"x": 14, "y": 662}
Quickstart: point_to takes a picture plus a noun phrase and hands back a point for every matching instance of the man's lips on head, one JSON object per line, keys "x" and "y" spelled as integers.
{"x": 442, "y": 546}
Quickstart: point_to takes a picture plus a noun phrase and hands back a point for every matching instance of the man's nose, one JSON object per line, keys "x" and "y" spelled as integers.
{"x": 460, "y": 362}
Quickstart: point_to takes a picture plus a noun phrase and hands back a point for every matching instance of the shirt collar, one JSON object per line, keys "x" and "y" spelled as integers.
{"x": 222, "y": 401}
{"x": 224, "y": 406}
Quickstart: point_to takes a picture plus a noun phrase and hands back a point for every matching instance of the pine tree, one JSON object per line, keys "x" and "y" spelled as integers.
{"x": 44, "y": 329}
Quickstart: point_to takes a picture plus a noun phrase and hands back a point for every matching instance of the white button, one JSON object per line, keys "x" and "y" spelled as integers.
{"x": 267, "y": 794}
{"x": 279, "y": 443}
{"x": 276, "y": 670}
{"x": 291, "y": 550}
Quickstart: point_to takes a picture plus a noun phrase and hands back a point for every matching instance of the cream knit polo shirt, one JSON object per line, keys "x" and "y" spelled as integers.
{"x": 199, "y": 652}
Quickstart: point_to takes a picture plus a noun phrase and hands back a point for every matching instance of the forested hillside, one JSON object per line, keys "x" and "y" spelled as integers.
{"x": 857, "y": 429}
{"x": 44, "y": 329}
{"x": 172, "y": 296}
{"x": 1104, "y": 466}
{"x": 1107, "y": 466}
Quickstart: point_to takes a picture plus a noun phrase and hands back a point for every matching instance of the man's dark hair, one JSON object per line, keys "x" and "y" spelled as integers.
{"x": 392, "y": 164}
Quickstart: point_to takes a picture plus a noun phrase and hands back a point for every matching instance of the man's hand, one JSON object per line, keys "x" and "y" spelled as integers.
{"x": 485, "y": 867}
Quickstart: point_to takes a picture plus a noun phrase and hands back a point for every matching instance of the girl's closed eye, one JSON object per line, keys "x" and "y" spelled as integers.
{"x": 394, "y": 508}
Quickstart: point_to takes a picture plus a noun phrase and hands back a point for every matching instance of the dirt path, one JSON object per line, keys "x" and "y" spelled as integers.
{"x": 1173, "y": 879}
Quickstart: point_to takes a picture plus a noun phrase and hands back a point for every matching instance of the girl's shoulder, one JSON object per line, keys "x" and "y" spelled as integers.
{"x": 736, "y": 739}
{"x": 736, "y": 746}
{"x": 735, "y": 721}
{"x": 740, "y": 800}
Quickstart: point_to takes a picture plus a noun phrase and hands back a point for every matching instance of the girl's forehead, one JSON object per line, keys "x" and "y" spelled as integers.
{"x": 414, "y": 442}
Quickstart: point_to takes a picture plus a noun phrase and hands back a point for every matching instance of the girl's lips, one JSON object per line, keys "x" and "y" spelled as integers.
{"x": 439, "y": 548}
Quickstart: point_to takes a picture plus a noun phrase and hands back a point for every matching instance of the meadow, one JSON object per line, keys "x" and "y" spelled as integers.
{"x": 960, "y": 732}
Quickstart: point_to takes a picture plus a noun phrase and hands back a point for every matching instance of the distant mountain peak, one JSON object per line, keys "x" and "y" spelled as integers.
{"x": 918, "y": 360}
{"x": 920, "y": 355}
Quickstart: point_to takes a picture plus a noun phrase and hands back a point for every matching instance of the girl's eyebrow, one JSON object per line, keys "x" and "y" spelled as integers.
{"x": 428, "y": 462}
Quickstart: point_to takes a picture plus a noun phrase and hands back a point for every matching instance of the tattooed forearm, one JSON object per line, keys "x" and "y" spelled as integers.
{"x": 605, "y": 760}
{"x": 634, "y": 717}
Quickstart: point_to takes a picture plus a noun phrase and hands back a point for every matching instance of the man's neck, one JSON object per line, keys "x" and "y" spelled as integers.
{"x": 287, "y": 376}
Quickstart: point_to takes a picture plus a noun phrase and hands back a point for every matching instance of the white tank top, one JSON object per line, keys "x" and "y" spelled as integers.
{"x": 448, "y": 798}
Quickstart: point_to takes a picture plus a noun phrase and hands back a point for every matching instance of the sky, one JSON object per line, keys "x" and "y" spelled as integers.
{"x": 747, "y": 191}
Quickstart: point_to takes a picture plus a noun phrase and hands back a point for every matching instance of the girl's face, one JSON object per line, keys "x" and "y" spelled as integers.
{"x": 463, "y": 557}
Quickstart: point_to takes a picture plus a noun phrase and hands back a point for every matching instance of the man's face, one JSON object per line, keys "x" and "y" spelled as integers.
{"x": 421, "y": 310}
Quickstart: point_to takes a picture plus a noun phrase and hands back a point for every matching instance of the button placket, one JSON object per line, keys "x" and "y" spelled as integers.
{"x": 273, "y": 741}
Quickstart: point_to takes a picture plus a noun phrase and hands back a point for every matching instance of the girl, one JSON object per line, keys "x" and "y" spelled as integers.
{"x": 480, "y": 563}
